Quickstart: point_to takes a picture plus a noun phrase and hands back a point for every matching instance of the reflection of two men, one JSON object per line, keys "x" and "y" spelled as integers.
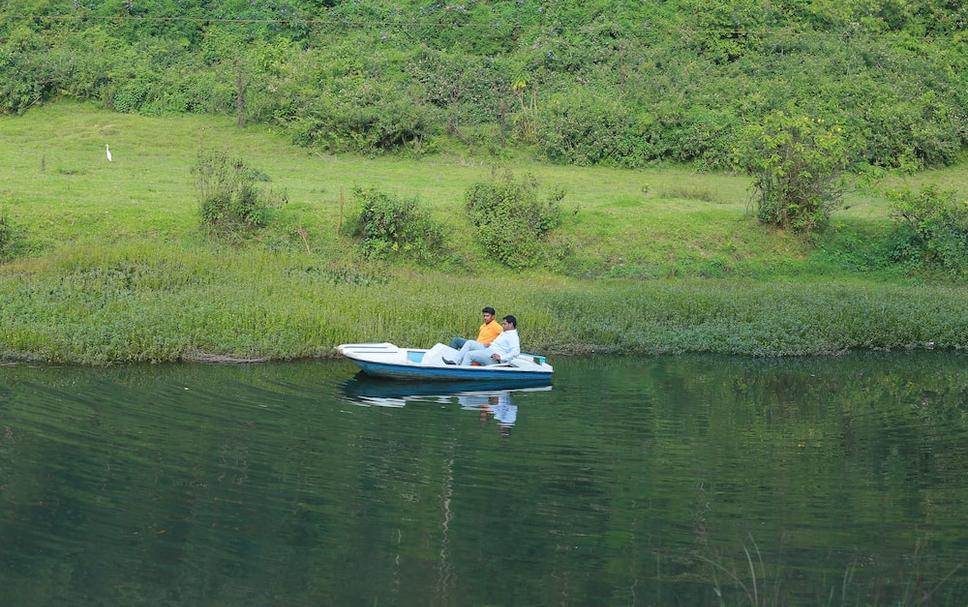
{"x": 496, "y": 404}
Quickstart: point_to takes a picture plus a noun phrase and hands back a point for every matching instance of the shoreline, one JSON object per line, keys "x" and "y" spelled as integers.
{"x": 21, "y": 358}
{"x": 44, "y": 321}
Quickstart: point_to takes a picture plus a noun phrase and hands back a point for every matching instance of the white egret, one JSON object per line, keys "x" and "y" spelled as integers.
{"x": 107, "y": 152}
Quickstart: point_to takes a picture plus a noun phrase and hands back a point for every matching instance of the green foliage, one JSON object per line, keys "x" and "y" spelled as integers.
{"x": 230, "y": 201}
{"x": 377, "y": 124}
{"x": 511, "y": 220}
{"x": 22, "y": 81}
{"x": 468, "y": 89}
{"x": 388, "y": 224}
{"x": 663, "y": 222}
{"x": 911, "y": 133}
{"x": 587, "y": 127}
{"x": 795, "y": 162}
{"x": 932, "y": 227}
{"x": 133, "y": 94}
{"x": 726, "y": 31}
{"x": 615, "y": 82}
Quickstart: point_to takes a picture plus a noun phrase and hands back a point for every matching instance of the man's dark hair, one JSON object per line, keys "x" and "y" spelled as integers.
{"x": 488, "y": 310}
{"x": 512, "y": 320}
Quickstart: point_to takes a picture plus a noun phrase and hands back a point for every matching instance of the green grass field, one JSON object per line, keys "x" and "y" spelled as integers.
{"x": 113, "y": 265}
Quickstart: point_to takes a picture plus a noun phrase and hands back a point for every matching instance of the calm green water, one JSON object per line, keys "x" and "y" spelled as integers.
{"x": 631, "y": 482}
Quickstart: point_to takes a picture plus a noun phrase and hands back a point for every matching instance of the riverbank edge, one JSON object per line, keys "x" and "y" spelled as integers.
{"x": 10, "y": 359}
{"x": 810, "y": 335}
{"x": 130, "y": 306}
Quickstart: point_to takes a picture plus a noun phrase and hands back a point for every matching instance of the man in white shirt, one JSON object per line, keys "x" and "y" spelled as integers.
{"x": 504, "y": 347}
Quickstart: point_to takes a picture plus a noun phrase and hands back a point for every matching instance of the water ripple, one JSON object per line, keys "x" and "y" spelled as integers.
{"x": 304, "y": 483}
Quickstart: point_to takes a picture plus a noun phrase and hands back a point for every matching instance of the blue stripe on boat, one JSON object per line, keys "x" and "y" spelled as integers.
{"x": 410, "y": 372}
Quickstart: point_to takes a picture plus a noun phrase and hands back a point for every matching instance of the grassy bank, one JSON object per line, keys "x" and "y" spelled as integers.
{"x": 157, "y": 302}
{"x": 112, "y": 265}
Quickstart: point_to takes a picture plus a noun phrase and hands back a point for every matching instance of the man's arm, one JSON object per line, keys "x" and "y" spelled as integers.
{"x": 499, "y": 344}
{"x": 515, "y": 348}
{"x": 507, "y": 342}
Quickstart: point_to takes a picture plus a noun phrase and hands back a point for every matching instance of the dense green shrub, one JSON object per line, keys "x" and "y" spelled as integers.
{"x": 374, "y": 126}
{"x": 511, "y": 219}
{"x": 910, "y": 133}
{"x": 725, "y": 31}
{"x": 587, "y": 127}
{"x": 795, "y": 162}
{"x": 388, "y": 224}
{"x": 23, "y": 81}
{"x": 932, "y": 228}
{"x": 468, "y": 88}
{"x": 230, "y": 201}
{"x": 133, "y": 94}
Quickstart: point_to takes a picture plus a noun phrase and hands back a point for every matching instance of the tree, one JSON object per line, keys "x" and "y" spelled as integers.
{"x": 795, "y": 162}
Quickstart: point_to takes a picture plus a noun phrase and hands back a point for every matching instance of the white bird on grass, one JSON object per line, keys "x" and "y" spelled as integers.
{"x": 107, "y": 152}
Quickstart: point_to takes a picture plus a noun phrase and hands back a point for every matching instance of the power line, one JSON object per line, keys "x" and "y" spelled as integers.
{"x": 145, "y": 18}
{"x": 359, "y": 23}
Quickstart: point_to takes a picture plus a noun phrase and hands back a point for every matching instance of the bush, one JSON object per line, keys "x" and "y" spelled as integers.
{"x": 356, "y": 117}
{"x": 910, "y": 133}
{"x": 388, "y": 224}
{"x": 591, "y": 128}
{"x": 932, "y": 226}
{"x": 511, "y": 220}
{"x": 23, "y": 77}
{"x": 230, "y": 201}
{"x": 132, "y": 95}
{"x": 795, "y": 162}
{"x": 725, "y": 31}
{"x": 468, "y": 87}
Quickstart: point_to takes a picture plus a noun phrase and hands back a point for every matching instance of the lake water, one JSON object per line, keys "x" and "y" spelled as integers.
{"x": 632, "y": 481}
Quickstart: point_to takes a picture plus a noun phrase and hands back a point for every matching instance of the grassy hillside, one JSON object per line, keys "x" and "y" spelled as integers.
{"x": 614, "y": 82}
{"x": 653, "y": 223}
{"x": 113, "y": 266}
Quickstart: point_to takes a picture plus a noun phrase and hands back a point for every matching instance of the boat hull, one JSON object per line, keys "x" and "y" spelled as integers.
{"x": 409, "y": 372}
{"x": 388, "y": 361}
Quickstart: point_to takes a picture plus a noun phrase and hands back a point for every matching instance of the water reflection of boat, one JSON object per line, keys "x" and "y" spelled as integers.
{"x": 365, "y": 390}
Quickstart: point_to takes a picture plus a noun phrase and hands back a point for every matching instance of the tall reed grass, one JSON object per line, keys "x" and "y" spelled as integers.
{"x": 102, "y": 304}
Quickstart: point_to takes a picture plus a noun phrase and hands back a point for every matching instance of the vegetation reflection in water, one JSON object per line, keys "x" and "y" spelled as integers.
{"x": 674, "y": 480}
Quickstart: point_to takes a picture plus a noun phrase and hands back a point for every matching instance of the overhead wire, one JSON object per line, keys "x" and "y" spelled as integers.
{"x": 337, "y": 21}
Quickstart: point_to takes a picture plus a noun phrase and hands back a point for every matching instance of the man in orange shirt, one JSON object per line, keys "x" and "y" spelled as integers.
{"x": 487, "y": 333}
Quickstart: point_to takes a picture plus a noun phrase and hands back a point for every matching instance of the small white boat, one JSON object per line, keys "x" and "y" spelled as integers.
{"x": 388, "y": 360}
